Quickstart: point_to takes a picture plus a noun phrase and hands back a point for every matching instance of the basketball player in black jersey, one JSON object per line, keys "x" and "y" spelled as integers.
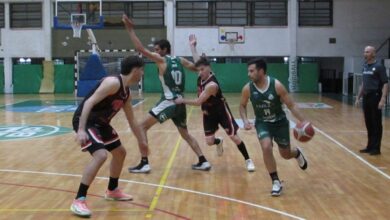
{"x": 91, "y": 121}
{"x": 215, "y": 108}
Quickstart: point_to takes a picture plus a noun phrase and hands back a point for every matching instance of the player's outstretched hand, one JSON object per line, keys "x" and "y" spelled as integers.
{"x": 82, "y": 137}
{"x": 357, "y": 101}
{"x": 192, "y": 40}
{"x": 129, "y": 24}
{"x": 179, "y": 101}
{"x": 247, "y": 125}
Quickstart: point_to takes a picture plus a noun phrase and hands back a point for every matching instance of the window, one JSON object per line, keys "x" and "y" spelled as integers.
{"x": 192, "y": 14}
{"x": 231, "y": 13}
{"x": 2, "y": 24}
{"x": 26, "y": 15}
{"x": 142, "y": 13}
{"x": 270, "y": 13}
{"x": 315, "y": 12}
{"x": 148, "y": 13}
{"x": 113, "y": 12}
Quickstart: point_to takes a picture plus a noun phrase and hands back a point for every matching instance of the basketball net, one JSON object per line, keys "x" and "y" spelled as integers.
{"x": 77, "y": 27}
{"x": 231, "y": 43}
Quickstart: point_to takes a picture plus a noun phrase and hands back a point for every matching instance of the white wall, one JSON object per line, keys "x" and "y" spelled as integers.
{"x": 258, "y": 41}
{"x": 356, "y": 23}
{"x": 23, "y": 43}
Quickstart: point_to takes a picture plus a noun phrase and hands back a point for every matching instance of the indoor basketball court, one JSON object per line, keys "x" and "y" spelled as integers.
{"x": 83, "y": 41}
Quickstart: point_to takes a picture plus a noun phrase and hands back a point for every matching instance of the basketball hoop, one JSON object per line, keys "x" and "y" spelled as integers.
{"x": 77, "y": 27}
{"x": 231, "y": 43}
{"x": 77, "y": 21}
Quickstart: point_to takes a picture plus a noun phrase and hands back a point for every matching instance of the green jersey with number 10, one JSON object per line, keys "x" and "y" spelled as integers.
{"x": 173, "y": 80}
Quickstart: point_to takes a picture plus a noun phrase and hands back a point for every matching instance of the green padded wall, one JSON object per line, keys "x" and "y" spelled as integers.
{"x": 191, "y": 80}
{"x": 64, "y": 78}
{"x": 151, "y": 82}
{"x": 27, "y": 78}
{"x": 279, "y": 71}
{"x": 308, "y": 75}
{"x": 231, "y": 76}
{"x": 1, "y": 78}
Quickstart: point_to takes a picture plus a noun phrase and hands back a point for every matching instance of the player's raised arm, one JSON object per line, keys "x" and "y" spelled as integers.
{"x": 129, "y": 24}
{"x": 243, "y": 103}
{"x": 188, "y": 64}
{"x": 193, "y": 42}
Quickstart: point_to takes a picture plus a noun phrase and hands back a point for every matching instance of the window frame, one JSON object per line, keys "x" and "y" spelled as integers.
{"x": 314, "y": 10}
{"x": 23, "y": 22}
{"x": 213, "y": 15}
{"x": 129, "y": 11}
{"x": 284, "y": 17}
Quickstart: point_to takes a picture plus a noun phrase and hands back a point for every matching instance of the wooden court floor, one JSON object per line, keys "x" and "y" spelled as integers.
{"x": 40, "y": 167}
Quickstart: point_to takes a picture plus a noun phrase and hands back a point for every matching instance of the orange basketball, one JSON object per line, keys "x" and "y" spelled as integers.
{"x": 303, "y": 132}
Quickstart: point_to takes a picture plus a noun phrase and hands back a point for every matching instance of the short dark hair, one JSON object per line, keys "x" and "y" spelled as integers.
{"x": 164, "y": 44}
{"x": 202, "y": 61}
{"x": 129, "y": 63}
{"x": 260, "y": 64}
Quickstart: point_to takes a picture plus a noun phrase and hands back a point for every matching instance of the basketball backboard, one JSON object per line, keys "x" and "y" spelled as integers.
{"x": 230, "y": 35}
{"x": 87, "y": 13}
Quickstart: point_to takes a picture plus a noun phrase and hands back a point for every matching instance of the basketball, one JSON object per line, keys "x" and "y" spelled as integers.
{"x": 303, "y": 132}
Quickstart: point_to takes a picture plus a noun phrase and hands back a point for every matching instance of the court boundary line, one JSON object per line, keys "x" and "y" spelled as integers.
{"x": 282, "y": 213}
{"x": 292, "y": 123}
{"x": 353, "y": 153}
{"x": 90, "y": 194}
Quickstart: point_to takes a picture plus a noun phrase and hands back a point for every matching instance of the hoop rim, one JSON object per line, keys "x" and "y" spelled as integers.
{"x": 77, "y": 27}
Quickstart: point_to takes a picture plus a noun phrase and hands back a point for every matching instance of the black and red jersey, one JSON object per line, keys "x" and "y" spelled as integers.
{"x": 106, "y": 109}
{"x": 215, "y": 103}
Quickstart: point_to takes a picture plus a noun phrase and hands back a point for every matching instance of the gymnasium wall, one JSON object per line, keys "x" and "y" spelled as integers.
{"x": 107, "y": 39}
{"x": 27, "y": 79}
{"x": 232, "y": 77}
{"x": 258, "y": 42}
{"x": 356, "y": 23}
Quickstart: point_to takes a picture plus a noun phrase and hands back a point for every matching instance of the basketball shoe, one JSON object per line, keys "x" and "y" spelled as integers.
{"x": 79, "y": 207}
{"x": 250, "y": 166}
{"x": 220, "y": 147}
{"x": 117, "y": 195}
{"x": 140, "y": 168}
{"x": 276, "y": 188}
{"x": 365, "y": 150}
{"x": 302, "y": 162}
{"x": 205, "y": 166}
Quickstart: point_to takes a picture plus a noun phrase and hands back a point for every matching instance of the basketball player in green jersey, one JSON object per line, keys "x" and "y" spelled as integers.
{"x": 171, "y": 74}
{"x": 267, "y": 95}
